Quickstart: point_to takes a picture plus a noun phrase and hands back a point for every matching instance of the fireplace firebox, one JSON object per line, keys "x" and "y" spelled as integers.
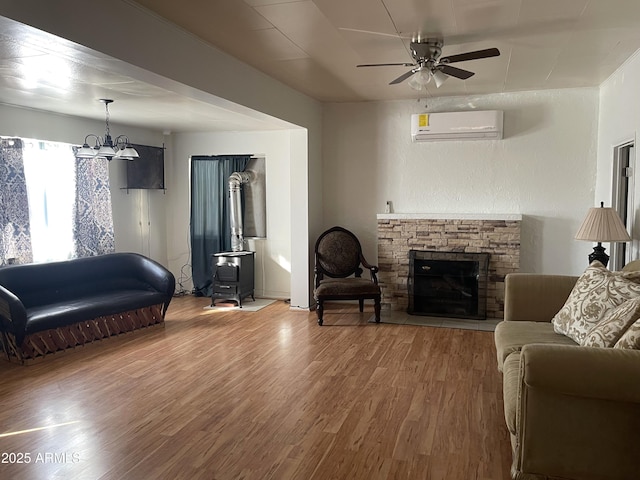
{"x": 448, "y": 284}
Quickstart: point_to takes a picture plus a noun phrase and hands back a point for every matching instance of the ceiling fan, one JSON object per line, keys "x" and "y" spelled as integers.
{"x": 427, "y": 64}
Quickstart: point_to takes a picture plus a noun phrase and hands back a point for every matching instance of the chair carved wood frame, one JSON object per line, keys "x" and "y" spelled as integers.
{"x": 338, "y": 272}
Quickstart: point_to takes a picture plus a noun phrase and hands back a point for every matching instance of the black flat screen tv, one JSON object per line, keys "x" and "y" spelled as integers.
{"x": 146, "y": 171}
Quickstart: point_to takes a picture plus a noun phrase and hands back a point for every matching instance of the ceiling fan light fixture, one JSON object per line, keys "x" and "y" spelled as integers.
{"x": 428, "y": 63}
{"x": 420, "y": 79}
{"x": 439, "y": 78}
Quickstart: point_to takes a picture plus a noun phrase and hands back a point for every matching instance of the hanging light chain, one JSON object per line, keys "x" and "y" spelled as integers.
{"x": 106, "y": 107}
{"x": 107, "y": 101}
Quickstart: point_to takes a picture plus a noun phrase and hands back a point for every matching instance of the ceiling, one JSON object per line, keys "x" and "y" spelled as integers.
{"x": 44, "y": 72}
{"x": 314, "y": 46}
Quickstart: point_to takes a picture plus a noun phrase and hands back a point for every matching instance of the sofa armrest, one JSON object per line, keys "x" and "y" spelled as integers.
{"x": 579, "y": 413}
{"x": 13, "y": 315}
{"x": 535, "y": 297}
{"x": 157, "y": 276}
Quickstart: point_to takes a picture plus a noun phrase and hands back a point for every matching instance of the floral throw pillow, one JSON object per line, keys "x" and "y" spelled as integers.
{"x": 595, "y": 294}
{"x": 615, "y": 323}
{"x": 630, "y": 338}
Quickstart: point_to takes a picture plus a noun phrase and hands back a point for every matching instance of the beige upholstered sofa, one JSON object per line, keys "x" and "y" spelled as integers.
{"x": 573, "y": 412}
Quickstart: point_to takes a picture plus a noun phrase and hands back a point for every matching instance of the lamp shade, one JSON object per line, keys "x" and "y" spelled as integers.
{"x": 127, "y": 153}
{"x": 106, "y": 151}
{"x": 86, "y": 152}
{"x": 603, "y": 224}
{"x": 420, "y": 79}
{"x": 439, "y": 78}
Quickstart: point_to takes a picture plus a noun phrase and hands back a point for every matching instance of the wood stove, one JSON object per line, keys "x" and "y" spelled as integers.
{"x": 233, "y": 276}
{"x": 448, "y": 284}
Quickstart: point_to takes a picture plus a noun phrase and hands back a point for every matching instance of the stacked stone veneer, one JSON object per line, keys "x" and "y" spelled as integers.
{"x": 396, "y": 236}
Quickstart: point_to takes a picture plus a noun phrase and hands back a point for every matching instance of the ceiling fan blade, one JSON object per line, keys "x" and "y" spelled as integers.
{"x": 369, "y": 32}
{"x": 402, "y": 77}
{"x": 387, "y": 65}
{"x": 455, "y": 72}
{"x": 475, "y": 55}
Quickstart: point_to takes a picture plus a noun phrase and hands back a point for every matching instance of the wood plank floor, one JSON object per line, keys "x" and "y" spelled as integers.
{"x": 260, "y": 395}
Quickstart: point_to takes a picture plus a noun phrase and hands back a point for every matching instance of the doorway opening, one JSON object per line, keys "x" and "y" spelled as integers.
{"x": 623, "y": 200}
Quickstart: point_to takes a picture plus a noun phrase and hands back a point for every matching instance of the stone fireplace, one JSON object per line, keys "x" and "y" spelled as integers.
{"x": 398, "y": 234}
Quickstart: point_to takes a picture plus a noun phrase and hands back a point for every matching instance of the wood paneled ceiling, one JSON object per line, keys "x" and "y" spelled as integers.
{"x": 314, "y": 45}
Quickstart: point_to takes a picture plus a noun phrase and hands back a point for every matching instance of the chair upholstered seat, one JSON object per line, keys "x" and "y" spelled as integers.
{"x": 347, "y": 287}
{"x": 338, "y": 272}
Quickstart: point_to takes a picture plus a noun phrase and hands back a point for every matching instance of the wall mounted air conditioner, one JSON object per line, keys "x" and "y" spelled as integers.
{"x": 470, "y": 125}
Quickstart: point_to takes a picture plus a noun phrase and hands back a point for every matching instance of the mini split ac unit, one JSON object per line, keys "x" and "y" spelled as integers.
{"x": 471, "y": 125}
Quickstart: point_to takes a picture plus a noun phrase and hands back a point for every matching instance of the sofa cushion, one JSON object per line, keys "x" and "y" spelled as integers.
{"x": 630, "y": 338}
{"x": 615, "y": 323}
{"x": 512, "y": 336}
{"x": 511, "y": 389}
{"x": 597, "y": 292}
{"x": 97, "y": 305}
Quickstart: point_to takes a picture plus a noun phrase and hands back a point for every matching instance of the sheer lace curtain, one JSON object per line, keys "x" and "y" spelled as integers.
{"x": 93, "y": 232}
{"x": 15, "y": 234}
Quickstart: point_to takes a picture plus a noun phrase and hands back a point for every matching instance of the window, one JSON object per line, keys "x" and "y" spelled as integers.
{"x": 49, "y": 169}
{"x": 53, "y": 206}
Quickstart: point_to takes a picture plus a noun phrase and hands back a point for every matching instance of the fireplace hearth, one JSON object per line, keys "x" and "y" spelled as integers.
{"x": 448, "y": 284}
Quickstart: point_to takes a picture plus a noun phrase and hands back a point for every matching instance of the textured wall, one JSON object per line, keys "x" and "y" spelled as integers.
{"x": 620, "y": 123}
{"x": 273, "y": 253}
{"x": 544, "y": 169}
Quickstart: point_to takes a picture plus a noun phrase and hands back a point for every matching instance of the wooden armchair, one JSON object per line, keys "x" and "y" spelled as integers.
{"x": 338, "y": 274}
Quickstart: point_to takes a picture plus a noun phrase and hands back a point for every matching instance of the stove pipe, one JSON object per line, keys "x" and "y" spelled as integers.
{"x": 236, "y": 180}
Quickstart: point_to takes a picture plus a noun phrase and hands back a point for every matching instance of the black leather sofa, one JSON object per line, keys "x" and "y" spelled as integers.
{"x": 49, "y": 307}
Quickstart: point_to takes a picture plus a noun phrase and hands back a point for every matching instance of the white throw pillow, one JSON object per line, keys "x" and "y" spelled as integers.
{"x": 595, "y": 294}
{"x": 615, "y": 323}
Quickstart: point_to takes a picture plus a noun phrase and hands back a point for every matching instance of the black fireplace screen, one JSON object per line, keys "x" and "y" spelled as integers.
{"x": 448, "y": 284}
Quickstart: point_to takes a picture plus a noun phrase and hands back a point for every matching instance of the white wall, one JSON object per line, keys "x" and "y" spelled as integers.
{"x": 156, "y": 223}
{"x": 138, "y": 216}
{"x": 620, "y": 123}
{"x": 30, "y": 123}
{"x": 167, "y": 54}
{"x": 273, "y": 254}
{"x": 544, "y": 168}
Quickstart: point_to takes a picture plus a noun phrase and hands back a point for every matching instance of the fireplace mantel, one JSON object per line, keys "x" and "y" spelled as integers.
{"x": 451, "y": 216}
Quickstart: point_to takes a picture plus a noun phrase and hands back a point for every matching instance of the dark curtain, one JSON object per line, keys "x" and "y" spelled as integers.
{"x": 210, "y": 228}
{"x": 15, "y": 232}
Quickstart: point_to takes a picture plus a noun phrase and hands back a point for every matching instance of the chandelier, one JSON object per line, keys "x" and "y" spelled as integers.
{"x": 106, "y": 147}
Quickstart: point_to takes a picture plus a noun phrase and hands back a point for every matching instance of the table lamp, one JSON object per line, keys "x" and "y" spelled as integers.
{"x": 602, "y": 225}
